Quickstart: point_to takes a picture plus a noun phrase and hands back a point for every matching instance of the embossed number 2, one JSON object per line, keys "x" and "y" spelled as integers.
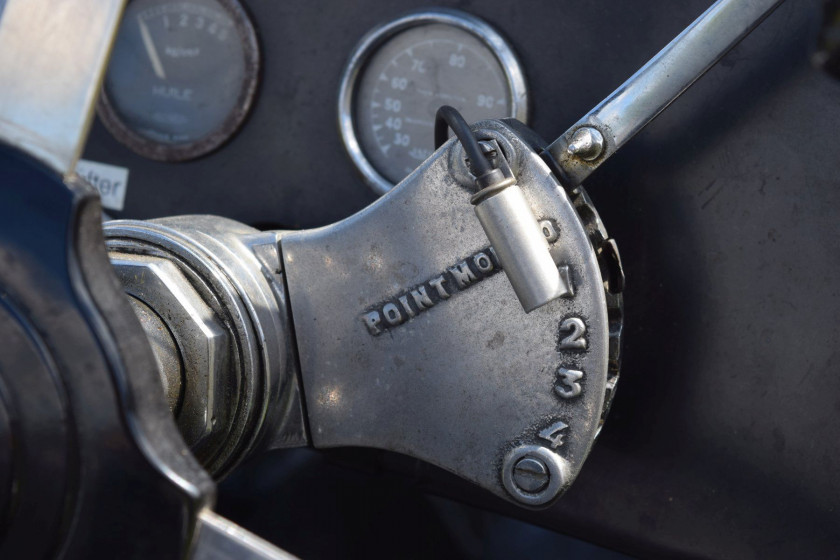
{"x": 575, "y": 340}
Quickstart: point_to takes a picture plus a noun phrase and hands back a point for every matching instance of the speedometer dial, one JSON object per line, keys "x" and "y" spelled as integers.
{"x": 181, "y": 78}
{"x": 403, "y": 71}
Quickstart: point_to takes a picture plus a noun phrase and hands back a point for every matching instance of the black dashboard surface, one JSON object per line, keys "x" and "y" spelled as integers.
{"x": 287, "y": 166}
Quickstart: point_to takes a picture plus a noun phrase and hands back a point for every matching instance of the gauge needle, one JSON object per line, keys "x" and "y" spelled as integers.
{"x": 151, "y": 50}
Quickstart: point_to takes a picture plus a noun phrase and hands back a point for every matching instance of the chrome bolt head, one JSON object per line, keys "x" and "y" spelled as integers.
{"x": 587, "y": 143}
{"x": 531, "y": 475}
{"x": 201, "y": 344}
{"x": 534, "y": 475}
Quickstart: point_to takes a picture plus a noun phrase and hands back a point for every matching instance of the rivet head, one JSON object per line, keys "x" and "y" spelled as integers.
{"x": 531, "y": 475}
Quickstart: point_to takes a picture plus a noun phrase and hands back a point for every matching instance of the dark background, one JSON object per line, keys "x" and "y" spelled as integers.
{"x": 723, "y": 438}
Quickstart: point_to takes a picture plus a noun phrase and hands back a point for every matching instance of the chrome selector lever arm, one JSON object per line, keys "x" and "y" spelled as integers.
{"x": 602, "y": 131}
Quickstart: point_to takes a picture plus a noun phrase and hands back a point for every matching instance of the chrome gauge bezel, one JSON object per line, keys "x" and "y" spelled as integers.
{"x": 370, "y": 43}
{"x": 151, "y": 149}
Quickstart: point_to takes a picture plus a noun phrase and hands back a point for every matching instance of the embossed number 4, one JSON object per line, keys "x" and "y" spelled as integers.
{"x": 554, "y": 434}
{"x": 574, "y": 340}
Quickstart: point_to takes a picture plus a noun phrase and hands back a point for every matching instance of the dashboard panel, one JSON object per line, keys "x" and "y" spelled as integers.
{"x": 288, "y": 156}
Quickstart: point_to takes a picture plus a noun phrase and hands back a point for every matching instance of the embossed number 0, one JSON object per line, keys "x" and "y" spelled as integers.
{"x": 575, "y": 340}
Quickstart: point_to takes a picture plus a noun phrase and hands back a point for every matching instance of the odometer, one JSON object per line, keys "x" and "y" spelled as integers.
{"x": 403, "y": 71}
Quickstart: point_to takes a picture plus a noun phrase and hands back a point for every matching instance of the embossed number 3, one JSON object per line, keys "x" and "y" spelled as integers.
{"x": 568, "y": 386}
{"x": 575, "y": 340}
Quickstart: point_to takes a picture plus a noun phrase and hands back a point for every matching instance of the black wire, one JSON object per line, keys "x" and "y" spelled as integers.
{"x": 448, "y": 117}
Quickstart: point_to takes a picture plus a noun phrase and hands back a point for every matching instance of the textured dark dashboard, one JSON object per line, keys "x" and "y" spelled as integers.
{"x": 724, "y": 439}
{"x": 287, "y": 166}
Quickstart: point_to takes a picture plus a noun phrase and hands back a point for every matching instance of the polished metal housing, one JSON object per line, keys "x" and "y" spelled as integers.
{"x": 218, "y": 286}
{"x": 411, "y": 339}
{"x": 368, "y": 45}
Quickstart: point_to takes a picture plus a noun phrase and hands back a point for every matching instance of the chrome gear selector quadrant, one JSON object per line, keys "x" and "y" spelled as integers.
{"x": 411, "y": 340}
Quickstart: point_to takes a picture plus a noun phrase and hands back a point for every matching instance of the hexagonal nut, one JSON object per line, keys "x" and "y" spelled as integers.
{"x": 202, "y": 340}
{"x": 165, "y": 350}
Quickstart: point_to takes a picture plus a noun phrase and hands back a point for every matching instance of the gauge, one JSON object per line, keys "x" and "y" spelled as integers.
{"x": 182, "y": 77}
{"x": 403, "y": 71}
